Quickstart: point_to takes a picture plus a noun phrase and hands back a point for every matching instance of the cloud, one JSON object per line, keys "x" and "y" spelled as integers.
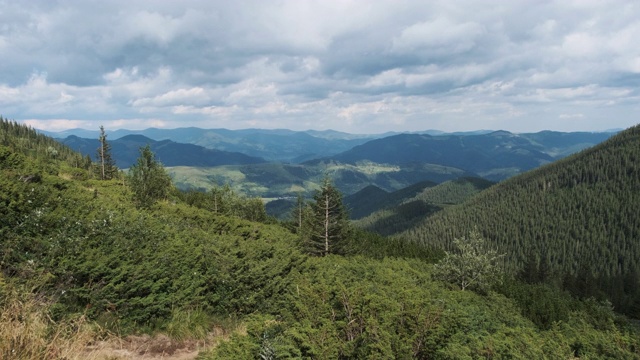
{"x": 350, "y": 65}
{"x": 436, "y": 38}
{"x": 194, "y": 95}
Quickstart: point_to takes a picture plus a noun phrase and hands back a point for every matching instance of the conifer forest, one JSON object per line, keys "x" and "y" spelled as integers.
{"x": 542, "y": 265}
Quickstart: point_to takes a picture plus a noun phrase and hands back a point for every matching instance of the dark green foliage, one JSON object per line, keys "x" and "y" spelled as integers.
{"x": 580, "y": 214}
{"x": 543, "y": 304}
{"x": 454, "y": 192}
{"x": 26, "y": 141}
{"x": 225, "y": 201}
{"x": 178, "y": 268}
{"x": 365, "y": 201}
{"x": 148, "y": 180}
{"x": 325, "y": 226}
{"x": 280, "y": 208}
{"x": 395, "y": 220}
{"x": 372, "y": 198}
{"x": 106, "y": 166}
{"x": 408, "y": 207}
{"x": 359, "y": 308}
{"x": 299, "y": 212}
{"x": 376, "y": 246}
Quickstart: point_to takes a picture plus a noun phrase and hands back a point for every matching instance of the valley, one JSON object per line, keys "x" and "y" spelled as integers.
{"x": 86, "y": 259}
{"x": 277, "y": 163}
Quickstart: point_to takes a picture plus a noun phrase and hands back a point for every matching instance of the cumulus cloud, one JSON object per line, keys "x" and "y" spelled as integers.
{"x": 354, "y": 65}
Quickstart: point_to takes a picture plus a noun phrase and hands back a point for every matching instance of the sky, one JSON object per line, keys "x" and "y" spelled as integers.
{"x": 364, "y": 67}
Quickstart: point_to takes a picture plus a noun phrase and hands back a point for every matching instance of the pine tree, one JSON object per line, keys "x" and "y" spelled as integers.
{"x": 325, "y": 228}
{"x": 106, "y": 165}
{"x": 148, "y": 179}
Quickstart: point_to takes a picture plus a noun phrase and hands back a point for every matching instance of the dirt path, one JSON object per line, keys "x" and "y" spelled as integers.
{"x": 148, "y": 348}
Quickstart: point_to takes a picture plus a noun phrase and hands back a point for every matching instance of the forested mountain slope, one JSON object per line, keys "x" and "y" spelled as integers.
{"x": 372, "y": 198}
{"x": 408, "y": 207}
{"x": 84, "y": 254}
{"x": 495, "y": 156}
{"x": 298, "y": 146}
{"x": 577, "y": 216}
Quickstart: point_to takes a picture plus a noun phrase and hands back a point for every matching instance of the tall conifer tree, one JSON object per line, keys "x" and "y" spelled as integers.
{"x": 326, "y": 226}
{"x": 106, "y": 165}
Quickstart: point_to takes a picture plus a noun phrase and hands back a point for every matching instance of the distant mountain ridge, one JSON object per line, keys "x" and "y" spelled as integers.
{"x": 125, "y": 152}
{"x": 284, "y": 145}
{"x": 390, "y": 163}
{"x": 273, "y": 145}
{"x": 495, "y": 156}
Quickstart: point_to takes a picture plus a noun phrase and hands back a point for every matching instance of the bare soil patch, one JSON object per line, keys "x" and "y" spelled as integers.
{"x": 145, "y": 347}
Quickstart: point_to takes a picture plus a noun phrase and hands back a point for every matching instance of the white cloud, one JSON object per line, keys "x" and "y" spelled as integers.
{"x": 439, "y": 37}
{"x": 174, "y": 97}
{"x": 352, "y": 65}
{"x": 571, "y": 116}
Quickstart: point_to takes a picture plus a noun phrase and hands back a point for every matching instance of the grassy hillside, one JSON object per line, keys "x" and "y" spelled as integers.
{"x": 76, "y": 253}
{"x": 275, "y": 180}
{"x": 578, "y": 216}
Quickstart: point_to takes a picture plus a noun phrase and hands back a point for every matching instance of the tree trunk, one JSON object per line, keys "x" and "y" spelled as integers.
{"x": 326, "y": 224}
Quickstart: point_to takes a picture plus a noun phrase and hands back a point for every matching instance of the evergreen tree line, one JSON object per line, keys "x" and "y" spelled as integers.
{"x": 576, "y": 219}
{"x": 88, "y": 249}
{"x": 29, "y": 142}
{"x": 411, "y": 210}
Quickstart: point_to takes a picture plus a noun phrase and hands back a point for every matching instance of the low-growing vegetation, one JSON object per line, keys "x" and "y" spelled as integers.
{"x": 81, "y": 260}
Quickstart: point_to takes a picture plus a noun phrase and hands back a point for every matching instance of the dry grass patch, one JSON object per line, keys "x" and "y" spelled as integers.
{"x": 28, "y": 332}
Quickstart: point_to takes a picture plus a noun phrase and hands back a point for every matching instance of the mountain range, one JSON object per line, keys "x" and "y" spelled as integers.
{"x": 125, "y": 151}
{"x": 79, "y": 254}
{"x": 299, "y": 146}
{"x": 494, "y": 156}
{"x": 273, "y": 145}
{"x": 278, "y": 163}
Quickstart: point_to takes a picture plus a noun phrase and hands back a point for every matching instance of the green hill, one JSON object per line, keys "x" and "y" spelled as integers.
{"x": 407, "y": 207}
{"x": 577, "y": 217}
{"x": 75, "y": 250}
{"x": 372, "y": 199}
